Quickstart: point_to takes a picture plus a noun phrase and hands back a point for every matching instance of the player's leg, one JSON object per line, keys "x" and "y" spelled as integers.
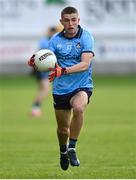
{"x": 42, "y": 93}
{"x": 43, "y": 90}
{"x": 63, "y": 125}
{"x": 78, "y": 103}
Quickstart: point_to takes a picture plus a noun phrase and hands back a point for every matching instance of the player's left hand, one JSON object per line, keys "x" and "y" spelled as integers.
{"x": 56, "y": 72}
{"x": 31, "y": 61}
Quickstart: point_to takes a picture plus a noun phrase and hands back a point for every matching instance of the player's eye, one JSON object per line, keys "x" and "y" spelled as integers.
{"x": 74, "y": 19}
{"x": 66, "y": 20}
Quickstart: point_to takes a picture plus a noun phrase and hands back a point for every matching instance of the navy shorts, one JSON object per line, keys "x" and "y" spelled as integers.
{"x": 63, "y": 101}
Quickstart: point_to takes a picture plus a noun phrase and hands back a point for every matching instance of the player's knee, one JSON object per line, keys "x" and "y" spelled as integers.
{"x": 78, "y": 108}
{"x": 63, "y": 131}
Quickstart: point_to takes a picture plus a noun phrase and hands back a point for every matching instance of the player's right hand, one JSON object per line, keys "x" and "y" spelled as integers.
{"x": 31, "y": 61}
{"x": 56, "y": 72}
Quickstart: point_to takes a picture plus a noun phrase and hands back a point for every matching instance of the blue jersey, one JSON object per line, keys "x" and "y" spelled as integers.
{"x": 68, "y": 52}
{"x": 43, "y": 43}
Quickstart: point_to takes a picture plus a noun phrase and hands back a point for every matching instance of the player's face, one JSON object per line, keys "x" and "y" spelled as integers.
{"x": 70, "y": 23}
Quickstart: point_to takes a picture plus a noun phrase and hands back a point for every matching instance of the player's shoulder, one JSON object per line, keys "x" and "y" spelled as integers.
{"x": 55, "y": 37}
{"x": 86, "y": 33}
{"x": 87, "y": 36}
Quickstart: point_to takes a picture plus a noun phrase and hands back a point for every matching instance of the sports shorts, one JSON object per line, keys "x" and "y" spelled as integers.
{"x": 63, "y": 101}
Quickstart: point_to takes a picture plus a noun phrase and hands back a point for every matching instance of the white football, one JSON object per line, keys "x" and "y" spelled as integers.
{"x": 45, "y": 59}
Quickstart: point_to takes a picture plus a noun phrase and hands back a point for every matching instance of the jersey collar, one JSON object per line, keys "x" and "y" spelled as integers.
{"x": 78, "y": 35}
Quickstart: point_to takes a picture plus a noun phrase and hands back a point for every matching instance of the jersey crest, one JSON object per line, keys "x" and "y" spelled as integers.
{"x": 78, "y": 46}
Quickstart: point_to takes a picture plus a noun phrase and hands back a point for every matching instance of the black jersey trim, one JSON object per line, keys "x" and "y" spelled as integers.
{"x": 88, "y": 52}
{"x": 78, "y": 35}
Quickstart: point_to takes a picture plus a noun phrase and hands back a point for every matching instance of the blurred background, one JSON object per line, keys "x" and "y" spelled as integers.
{"x": 112, "y": 22}
{"x": 28, "y": 146}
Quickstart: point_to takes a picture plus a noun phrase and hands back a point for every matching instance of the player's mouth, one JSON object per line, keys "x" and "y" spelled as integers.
{"x": 71, "y": 29}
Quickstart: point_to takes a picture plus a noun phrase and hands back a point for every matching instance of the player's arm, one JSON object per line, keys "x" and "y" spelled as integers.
{"x": 86, "y": 59}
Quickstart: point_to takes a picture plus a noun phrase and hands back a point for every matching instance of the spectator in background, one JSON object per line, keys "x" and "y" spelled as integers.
{"x": 42, "y": 77}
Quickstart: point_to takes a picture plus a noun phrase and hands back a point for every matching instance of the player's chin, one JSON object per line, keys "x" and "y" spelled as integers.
{"x": 72, "y": 31}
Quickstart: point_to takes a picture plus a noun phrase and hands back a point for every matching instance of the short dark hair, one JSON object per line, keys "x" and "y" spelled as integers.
{"x": 69, "y": 10}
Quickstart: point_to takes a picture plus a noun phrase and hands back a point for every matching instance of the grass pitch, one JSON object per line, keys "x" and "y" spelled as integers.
{"x": 107, "y": 144}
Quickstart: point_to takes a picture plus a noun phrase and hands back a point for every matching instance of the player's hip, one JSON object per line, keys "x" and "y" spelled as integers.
{"x": 63, "y": 101}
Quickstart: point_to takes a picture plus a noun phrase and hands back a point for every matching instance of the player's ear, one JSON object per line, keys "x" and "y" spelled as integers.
{"x": 61, "y": 21}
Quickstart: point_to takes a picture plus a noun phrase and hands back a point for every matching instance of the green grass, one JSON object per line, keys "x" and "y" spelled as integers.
{"x": 107, "y": 144}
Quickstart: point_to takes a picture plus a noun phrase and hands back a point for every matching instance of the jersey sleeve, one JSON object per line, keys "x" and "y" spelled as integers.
{"x": 51, "y": 44}
{"x": 88, "y": 43}
{"x": 43, "y": 43}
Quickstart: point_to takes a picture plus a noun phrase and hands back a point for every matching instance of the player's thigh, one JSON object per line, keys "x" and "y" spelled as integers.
{"x": 63, "y": 117}
{"x": 80, "y": 99}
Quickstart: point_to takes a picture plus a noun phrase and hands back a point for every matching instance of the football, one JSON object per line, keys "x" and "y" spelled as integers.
{"x": 44, "y": 60}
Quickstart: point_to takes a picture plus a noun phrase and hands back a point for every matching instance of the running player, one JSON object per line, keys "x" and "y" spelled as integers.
{"x": 72, "y": 82}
